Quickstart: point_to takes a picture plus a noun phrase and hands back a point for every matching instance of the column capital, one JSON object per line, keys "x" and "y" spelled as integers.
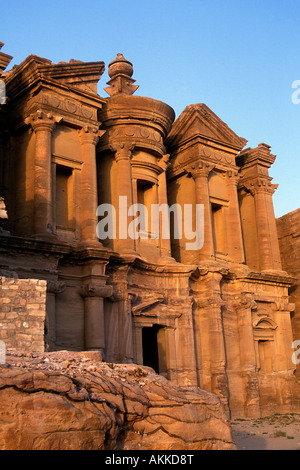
{"x": 260, "y": 185}
{"x": 233, "y": 177}
{"x": 42, "y": 121}
{"x": 200, "y": 169}
{"x": 213, "y": 301}
{"x": 94, "y": 290}
{"x": 55, "y": 287}
{"x": 90, "y": 134}
{"x": 122, "y": 151}
{"x": 245, "y": 302}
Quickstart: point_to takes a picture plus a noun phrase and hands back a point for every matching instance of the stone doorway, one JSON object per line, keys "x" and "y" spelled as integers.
{"x": 154, "y": 348}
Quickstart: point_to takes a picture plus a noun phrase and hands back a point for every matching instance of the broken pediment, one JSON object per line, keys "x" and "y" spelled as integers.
{"x": 77, "y": 74}
{"x": 199, "y": 121}
{"x": 147, "y": 302}
{"x": 84, "y": 75}
{"x": 5, "y": 59}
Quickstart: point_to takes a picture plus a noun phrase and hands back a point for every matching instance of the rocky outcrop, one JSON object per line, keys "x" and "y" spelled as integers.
{"x": 70, "y": 401}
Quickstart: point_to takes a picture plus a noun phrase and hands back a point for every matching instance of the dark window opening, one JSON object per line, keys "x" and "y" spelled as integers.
{"x": 63, "y": 196}
{"x": 219, "y": 233}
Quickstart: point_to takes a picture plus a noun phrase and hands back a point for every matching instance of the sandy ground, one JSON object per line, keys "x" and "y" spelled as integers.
{"x": 276, "y": 432}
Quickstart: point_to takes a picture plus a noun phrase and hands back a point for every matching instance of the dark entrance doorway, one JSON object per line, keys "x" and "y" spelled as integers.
{"x": 154, "y": 348}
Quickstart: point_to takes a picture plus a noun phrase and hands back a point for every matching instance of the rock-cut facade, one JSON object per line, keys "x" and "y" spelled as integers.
{"x": 213, "y": 312}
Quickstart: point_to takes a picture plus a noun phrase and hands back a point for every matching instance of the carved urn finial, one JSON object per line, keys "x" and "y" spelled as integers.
{"x": 120, "y": 72}
{"x": 120, "y": 66}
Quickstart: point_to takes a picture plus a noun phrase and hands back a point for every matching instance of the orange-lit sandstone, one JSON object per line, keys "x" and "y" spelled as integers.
{"x": 219, "y": 317}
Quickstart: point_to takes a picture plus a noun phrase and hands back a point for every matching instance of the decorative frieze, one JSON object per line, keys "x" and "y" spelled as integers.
{"x": 69, "y": 106}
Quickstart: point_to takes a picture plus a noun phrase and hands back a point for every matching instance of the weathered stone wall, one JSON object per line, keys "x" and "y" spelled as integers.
{"x": 22, "y": 313}
{"x": 288, "y": 227}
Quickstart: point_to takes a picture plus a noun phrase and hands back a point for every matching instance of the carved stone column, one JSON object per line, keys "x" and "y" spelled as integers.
{"x": 123, "y": 155}
{"x": 283, "y": 345}
{"x": 200, "y": 172}
{"x": 248, "y": 369}
{"x": 88, "y": 184}
{"x": 210, "y": 342}
{"x": 284, "y": 335}
{"x": 43, "y": 125}
{"x": 138, "y": 344}
{"x": 94, "y": 327}
{"x": 268, "y": 245}
{"x": 235, "y": 239}
{"x": 123, "y": 299}
{"x": 214, "y": 352}
{"x": 165, "y": 243}
{"x": 53, "y": 288}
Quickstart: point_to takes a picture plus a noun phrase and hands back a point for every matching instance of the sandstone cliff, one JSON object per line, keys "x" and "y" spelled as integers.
{"x": 69, "y": 401}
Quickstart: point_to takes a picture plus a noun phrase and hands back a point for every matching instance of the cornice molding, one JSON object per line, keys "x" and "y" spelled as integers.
{"x": 75, "y": 77}
{"x": 259, "y": 155}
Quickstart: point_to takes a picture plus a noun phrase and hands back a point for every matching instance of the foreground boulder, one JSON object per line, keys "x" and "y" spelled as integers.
{"x": 71, "y": 401}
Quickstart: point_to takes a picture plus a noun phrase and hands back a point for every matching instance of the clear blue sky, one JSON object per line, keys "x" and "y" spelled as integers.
{"x": 239, "y": 57}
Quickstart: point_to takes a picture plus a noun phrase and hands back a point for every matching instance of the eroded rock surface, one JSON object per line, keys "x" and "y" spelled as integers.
{"x": 65, "y": 400}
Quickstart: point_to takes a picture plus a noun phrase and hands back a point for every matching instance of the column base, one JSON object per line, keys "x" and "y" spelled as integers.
{"x": 130, "y": 253}
{"x": 274, "y": 272}
{"x": 167, "y": 260}
{"x": 91, "y": 244}
{"x": 46, "y": 237}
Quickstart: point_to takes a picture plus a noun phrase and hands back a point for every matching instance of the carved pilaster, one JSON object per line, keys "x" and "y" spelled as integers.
{"x": 124, "y": 300}
{"x": 89, "y": 137}
{"x": 123, "y": 155}
{"x": 262, "y": 190}
{"x": 164, "y": 237}
{"x": 94, "y": 327}
{"x": 235, "y": 238}
{"x": 243, "y": 307}
{"x": 211, "y": 348}
{"x": 53, "y": 288}
{"x": 43, "y": 125}
{"x": 200, "y": 171}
